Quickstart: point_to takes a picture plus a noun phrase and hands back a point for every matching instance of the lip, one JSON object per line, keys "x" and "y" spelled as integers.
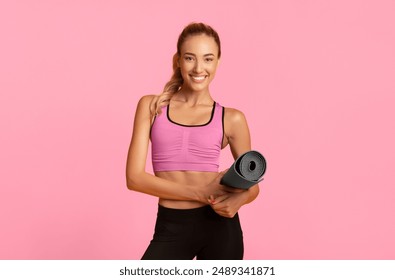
{"x": 198, "y": 78}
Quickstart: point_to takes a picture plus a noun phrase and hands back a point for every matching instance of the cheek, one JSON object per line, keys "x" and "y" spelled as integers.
{"x": 212, "y": 69}
{"x": 184, "y": 72}
{"x": 185, "y": 67}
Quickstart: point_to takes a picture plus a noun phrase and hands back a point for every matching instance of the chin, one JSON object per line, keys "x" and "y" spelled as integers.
{"x": 199, "y": 88}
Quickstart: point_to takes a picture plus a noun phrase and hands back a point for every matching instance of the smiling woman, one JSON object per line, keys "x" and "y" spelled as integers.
{"x": 198, "y": 63}
{"x": 197, "y": 216}
{"x": 212, "y": 51}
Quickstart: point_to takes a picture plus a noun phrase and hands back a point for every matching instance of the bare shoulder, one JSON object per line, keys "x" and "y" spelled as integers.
{"x": 234, "y": 116}
{"x": 147, "y": 103}
{"x": 147, "y": 99}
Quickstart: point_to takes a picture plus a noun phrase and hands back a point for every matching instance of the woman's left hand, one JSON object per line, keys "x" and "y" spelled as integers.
{"x": 228, "y": 204}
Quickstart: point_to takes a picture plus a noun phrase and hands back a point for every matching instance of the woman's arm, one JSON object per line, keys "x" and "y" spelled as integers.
{"x": 237, "y": 135}
{"x": 138, "y": 179}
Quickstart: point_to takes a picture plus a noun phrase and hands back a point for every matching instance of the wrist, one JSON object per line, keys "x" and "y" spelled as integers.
{"x": 197, "y": 194}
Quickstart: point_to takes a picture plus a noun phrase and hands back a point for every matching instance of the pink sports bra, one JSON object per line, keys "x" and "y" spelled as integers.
{"x": 178, "y": 147}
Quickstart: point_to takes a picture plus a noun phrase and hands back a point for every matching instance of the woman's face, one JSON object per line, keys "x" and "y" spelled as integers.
{"x": 198, "y": 62}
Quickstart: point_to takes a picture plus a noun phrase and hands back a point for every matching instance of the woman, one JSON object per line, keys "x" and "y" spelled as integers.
{"x": 197, "y": 216}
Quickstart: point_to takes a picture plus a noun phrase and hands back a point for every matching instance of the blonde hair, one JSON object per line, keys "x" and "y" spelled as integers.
{"x": 176, "y": 80}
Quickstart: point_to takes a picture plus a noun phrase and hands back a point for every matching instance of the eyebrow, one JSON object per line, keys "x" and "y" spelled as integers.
{"x": 207, "y": 54}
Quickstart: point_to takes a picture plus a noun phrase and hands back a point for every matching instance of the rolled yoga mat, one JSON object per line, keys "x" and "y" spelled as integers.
{"x": 246, "y": 171}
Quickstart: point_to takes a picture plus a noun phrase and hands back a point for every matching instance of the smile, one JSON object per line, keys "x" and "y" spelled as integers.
{"x": 198, "y": 78}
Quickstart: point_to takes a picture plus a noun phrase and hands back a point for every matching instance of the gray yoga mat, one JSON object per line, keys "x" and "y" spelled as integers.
{"x": 246, "y": 171}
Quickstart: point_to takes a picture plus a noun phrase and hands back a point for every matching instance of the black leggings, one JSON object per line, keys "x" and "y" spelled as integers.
{"x": 183, "y": 234}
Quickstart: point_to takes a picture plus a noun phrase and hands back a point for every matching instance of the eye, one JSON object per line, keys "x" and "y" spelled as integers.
{"x": 209, "y": 59}
{"x": 188, "y": 58}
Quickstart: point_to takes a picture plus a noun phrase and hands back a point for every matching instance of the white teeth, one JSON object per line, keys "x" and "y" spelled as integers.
{"x": 198, "y": 78}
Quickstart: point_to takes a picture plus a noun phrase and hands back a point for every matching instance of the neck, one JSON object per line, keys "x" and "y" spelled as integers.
{"x": 193, "y": 98}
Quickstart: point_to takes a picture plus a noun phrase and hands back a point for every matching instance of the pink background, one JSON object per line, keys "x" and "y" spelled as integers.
{"x": 314, "y": 78}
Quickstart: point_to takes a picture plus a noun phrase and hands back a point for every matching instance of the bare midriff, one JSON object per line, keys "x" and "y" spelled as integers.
{"x": 186, "y": 178}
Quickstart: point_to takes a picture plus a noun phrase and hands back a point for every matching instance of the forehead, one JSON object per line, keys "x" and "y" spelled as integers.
{"x": 200, "y": 45}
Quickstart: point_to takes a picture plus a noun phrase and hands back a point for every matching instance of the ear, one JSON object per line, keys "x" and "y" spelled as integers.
{"x": 176, "y": 60}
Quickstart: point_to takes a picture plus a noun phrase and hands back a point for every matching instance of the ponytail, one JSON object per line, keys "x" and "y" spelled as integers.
{"x": 169, "y": 89}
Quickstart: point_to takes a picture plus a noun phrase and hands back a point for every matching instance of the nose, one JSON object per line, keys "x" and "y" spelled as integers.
{"x": 198, "y": 66}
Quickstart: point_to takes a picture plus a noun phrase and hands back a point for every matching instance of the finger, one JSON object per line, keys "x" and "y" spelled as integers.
{"x": 226, "y": 214}
{"x": 216, "y": 198}
{"x": 219, "y": 199}
{"x": 217, "y": 194}
{"x": 212, "y": 201}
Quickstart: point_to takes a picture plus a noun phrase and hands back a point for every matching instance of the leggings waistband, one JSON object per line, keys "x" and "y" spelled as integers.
{"x": 183, "y": 214}
{"x": 190, "y": 215}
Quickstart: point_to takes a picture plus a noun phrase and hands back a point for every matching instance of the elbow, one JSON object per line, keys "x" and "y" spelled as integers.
{"x": 130, "y": 184}
{"x": 132, "y": 181}
{"x": 255, "y": 191}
